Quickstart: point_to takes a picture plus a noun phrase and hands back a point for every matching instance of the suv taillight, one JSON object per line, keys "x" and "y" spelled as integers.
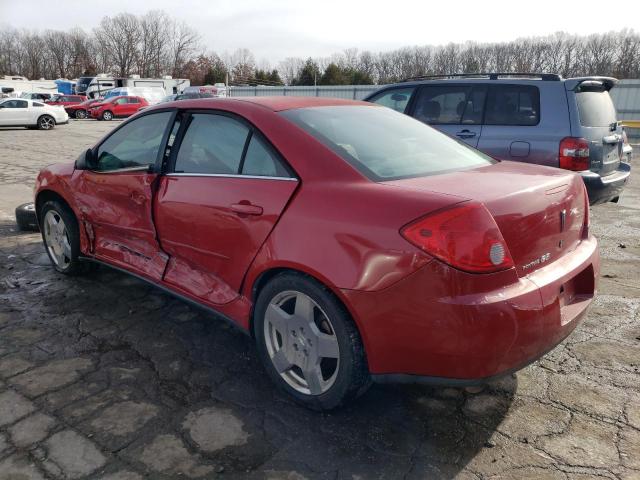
{"x": 574, "y": 154}
{"x": 465, "y": 236}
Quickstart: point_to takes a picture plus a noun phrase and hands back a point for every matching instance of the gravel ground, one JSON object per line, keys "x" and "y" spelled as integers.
{"x": 105, "y": 377}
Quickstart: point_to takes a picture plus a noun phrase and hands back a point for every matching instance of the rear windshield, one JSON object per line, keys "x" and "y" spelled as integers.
{"x": 596, "y": 109}
{"x": 384, "y": 144}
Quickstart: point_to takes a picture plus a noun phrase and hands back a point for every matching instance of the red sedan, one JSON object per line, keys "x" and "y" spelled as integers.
{"x": 81, "y": 110}
{"x": 117, "y": 107}
{"x": 66, "y": 100}
{"x": 352, "y": 242}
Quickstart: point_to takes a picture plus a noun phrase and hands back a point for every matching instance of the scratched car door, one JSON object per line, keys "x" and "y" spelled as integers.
{"x": 115, "y": 195}
{"x": 217, "y": 205}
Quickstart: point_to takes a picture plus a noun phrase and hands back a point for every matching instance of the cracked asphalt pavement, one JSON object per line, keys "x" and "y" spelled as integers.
{"x": 106, "y": 377}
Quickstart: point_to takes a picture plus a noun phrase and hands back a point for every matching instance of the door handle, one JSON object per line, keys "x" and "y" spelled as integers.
{"x": 246, "y": 209}
{"x": 466, "y": 134}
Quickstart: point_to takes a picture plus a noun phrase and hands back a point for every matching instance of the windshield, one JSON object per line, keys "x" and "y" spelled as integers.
{"x": 384, "y": 144}
{"x": 596, "y": 109}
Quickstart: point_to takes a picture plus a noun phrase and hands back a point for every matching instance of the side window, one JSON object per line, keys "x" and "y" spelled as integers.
{"x": 16, "y": 104}
{"x": 121, "y": 101}
{"x": 37, "y": 104}
{"x": 136, "y": 144}
{"x": 260, "y": 161}
{"x": 134, "y": 100}
{"x": 448, "y": 104}
{"x": 64, "y": 99}
{"x": 513, "y": 105}
{"x": 212, "y": 144}
{"x": 396, "y": 98}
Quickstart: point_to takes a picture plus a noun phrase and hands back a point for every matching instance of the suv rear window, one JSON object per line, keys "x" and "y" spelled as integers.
{"x": 595, "y": 109}
{"x": 383, "y": 144}
{"x": 513, "y": 105}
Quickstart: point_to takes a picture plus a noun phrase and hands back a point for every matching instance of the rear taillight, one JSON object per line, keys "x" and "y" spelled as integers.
{"x": 465, "y": 236}
{"x": 574, "y": 154}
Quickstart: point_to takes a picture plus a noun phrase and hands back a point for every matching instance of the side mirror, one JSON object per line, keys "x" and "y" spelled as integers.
{"x": 85, "y": 161}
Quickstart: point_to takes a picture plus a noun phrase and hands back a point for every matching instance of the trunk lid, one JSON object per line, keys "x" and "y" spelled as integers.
{"x": 539, "y": 210}
{"x": 598, "y": 124}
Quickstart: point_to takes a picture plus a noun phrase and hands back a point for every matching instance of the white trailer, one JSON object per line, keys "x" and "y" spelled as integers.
{"x": 102, "y": 83}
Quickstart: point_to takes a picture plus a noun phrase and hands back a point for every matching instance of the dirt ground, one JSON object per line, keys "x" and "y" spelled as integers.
{"x": 106, "y": 377}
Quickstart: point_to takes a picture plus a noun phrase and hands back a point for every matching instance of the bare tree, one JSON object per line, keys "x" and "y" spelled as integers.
{"x": 120, "y": 36}
{"x": 183, "y": 42}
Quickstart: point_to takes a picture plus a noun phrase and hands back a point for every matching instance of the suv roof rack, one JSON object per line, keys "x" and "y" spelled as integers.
{"x": 547, "y": 77}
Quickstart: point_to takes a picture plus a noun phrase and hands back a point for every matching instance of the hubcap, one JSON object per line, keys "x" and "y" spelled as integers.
{"x": 107, "y": 116}
{"x": 57, "y": 239}
{"x": 46, "y": 123}
{"x": 80, "y": 114}
{"x": 301, "y": 343}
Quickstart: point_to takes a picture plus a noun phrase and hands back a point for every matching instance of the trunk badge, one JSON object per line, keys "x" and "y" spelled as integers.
{"x": 563, "y": 219}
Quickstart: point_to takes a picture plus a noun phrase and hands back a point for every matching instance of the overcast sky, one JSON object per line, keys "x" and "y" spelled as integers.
{"x": 274, "y": 29}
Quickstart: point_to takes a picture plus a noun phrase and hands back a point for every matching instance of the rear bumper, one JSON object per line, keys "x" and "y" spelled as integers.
{"x": 605, "y": 189}
{"x": 441, "y": 325}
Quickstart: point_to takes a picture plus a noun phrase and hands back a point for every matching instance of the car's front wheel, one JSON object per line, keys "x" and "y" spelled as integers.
{"x": 81, "y": 114}
{"x": 46, "y": 122}
{"x": 61, "y": 237}
{"x": 308, "y": 342}
{"x": 107, "y": 115}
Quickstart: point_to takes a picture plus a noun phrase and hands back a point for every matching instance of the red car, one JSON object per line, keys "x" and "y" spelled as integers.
{"x": 354, "y": 243}
{"x": 81, "y": 110}
{"x": 66, "y": 100}
{"x": 117, "y": 107}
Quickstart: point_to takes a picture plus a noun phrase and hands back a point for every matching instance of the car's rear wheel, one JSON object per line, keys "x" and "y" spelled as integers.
{"x": 107, "y": 115}
{"x": 81, "y": 114}
{"x": 61, "y": 237}
{"x": 308, "y": 343}
{"x": 46, "y": 122}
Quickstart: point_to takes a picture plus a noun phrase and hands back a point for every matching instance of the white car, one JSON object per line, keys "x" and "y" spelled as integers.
{"x": 20, "y": 112}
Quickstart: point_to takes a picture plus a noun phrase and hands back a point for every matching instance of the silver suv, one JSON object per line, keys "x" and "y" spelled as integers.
{"x": 535, "y": 118}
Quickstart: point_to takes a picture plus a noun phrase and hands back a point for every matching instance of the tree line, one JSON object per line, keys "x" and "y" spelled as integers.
{"x": 154, "y": 44}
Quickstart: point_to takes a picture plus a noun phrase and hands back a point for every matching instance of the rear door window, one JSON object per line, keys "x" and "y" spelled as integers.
{"x": 513, "y": 105}
{"x": 397, "y": 98}
{"x": 212, "y": 144}
{"x": 450, "y": 104}
{"x": 261, "y": 161}
{"x": 595, "y": 109}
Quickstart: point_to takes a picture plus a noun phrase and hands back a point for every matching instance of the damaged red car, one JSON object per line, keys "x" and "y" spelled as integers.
{"x": 353, "y": 243}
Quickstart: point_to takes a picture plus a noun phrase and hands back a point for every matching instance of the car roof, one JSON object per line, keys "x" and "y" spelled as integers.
{"x": 274, "y": 103}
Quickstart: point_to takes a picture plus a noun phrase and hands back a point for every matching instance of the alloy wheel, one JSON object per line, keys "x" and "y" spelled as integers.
{"x": 107, "y": 115}
{"x": 301, "y": 343}
{"x": 46, "y": 123}
{"x": 57, "y": 239}
{"x": 81, "y": 114}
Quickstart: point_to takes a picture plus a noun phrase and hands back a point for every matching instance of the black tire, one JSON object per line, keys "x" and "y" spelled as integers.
{"x": 81, "y": 114}
{"x": 107, "y": 115}
{"x": 26, "y": 218}
{"x": 352, "y": 378}
{"x": 75, "y": 266}
{"x": 46, "y": 122}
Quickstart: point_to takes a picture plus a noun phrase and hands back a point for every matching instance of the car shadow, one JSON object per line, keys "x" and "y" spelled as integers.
{"x": 184, "y": 359}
